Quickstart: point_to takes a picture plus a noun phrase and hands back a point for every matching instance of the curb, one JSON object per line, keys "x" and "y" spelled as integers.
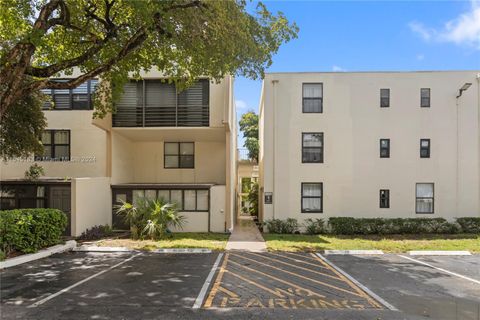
{"x": 353, "y": 252}
{"x": 438, "y": 253}
{"x": 84, "y": 248}
{"x": 182, "y": 250}
{"x": 69, "y": 245}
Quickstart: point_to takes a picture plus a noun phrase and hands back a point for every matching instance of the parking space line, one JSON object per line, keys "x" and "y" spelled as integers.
{"x": 216, "y": 284}
{"x": 441, "y": 269}
{"x": 278, "y": 294}
{"x": 206, "y": 284}
{"x": 36, "y": 304}
{"x": 299, "y": 267}
{"x": 361, "y": 286}
{"x": 303, "y": 277}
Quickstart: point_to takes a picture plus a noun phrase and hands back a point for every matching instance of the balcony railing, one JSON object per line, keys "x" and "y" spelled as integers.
{"x": 155, "y": 103}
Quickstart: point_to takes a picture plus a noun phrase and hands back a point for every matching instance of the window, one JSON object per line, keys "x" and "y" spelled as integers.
{"x": 424, "y": 198}
{"x": 185, "y": 200}
{"x": 384, "y": 98}
{"x": 384, "y": 198}
{"x": 179, "y": 155}
{"x": 79, "y": 98}
{"x": 425, "y": 97}
{"x": 23, "y": 196}
{"x": 56, "y": 146}
{"x": 312, "y": 197}
{"x": 384, "y": 148}
{"x": 312, "y": 98}
{"x": 424, "y": 148}
{"x": 312, "y": 147}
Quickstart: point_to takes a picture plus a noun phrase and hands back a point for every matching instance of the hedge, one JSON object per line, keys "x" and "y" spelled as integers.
{"x": 469, "y": 225}
{"x": 28, "y": 230}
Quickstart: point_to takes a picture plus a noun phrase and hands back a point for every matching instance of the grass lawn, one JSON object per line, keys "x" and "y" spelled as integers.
{"x": 213, "y": 241}
{"x": 387, "y": 243}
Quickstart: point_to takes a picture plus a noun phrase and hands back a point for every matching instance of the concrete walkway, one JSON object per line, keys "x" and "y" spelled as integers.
{"x": 246, "y": 237}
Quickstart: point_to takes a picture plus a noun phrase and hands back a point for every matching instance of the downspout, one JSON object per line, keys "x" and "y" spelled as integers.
{"x": 274, "y": 82}
{"x": 456, "y": 157}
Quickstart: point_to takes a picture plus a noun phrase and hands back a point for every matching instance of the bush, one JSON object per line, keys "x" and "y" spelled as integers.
{"x": 96, "y": 232}
{"x": 282, "y": 226}
{"x": 27, "y": 230}
{"x": 349, "y": 225}
{"x": 316, "y": 226}
{"x": 469, "y": 224}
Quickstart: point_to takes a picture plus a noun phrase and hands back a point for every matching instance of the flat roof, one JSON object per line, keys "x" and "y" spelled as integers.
{"x": 381, "y": 71}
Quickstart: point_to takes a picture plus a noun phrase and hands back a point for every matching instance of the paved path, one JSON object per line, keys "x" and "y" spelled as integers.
{"x": 246, "y": 237}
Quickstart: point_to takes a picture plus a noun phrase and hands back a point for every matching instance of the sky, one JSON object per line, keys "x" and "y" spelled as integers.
{"x": 372, "y": 36}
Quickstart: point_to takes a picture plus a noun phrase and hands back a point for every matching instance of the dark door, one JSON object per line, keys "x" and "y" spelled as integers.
{"x": 60, "y": 199}
{"x": 119, "y": 195}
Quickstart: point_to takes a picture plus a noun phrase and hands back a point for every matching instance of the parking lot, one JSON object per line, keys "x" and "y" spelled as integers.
{"x": 243, "y": 286}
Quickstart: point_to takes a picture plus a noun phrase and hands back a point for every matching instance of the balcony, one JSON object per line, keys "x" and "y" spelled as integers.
{"x": 156, "y": 103}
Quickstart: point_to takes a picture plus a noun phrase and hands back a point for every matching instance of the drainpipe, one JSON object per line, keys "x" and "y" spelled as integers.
{"x": 274, "y": 100}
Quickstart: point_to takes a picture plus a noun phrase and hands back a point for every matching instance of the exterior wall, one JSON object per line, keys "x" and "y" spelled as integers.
{"x": 91, "y": 203}
{"x": 87, "y": 149}
{"x": 353, "y": 123}
{"x": 218, "y": 216}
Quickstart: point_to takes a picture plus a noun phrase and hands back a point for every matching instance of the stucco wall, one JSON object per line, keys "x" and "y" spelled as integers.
{"x": 353, "y": 122}
{"x": 91, "y": 203}
{"x": 88, "y": 149}
{"x": 217, "y": 209}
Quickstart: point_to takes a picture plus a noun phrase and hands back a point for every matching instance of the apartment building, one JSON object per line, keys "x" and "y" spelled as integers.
{"x": 161, "y": 143}
{"x": 370, "y": 144}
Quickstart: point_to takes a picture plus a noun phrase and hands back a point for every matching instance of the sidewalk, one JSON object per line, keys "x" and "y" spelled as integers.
{"x": 246, "y": 237}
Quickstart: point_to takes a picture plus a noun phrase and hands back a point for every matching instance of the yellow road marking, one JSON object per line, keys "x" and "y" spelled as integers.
{"x": 258, "y": 285}
{"x": 355, "y": 287}
{"x": 313, "y": 293}
{"x": 293, "y": 265}
{"x": 303, "y": 277}
{"x": 300, "y": 261}
{"x": 299, "y": 255}
{"x": 216, "y": 284}
{"x": 228, "y": 292}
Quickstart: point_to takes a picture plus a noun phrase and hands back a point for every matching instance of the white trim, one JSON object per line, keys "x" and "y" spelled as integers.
{"x": 438, "y": 253}
{"x": 441, "y": 269}
{"x": 182, "y": 250}
{"x": 85, "y": 248}
{"x": 69, "y": 245}
{"x": 203, "y": 291}
{"x": 36, "y": 304}
{"x": 368, "y": 291}
{"x": 354, "y": 252}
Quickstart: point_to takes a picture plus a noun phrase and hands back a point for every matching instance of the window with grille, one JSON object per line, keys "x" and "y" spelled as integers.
{"x": 312, "y": 147}
{"x": 179, "y": 155}
{"x": 79, "y": 98}
{"x": 56, "y": 146}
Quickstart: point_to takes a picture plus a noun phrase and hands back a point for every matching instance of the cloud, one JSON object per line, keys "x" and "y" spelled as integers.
{"x": 462, "y": 30}
{"x": 420, "y": 57}
{"x": 338, "y": 69}
{"x": 241, "y": 105}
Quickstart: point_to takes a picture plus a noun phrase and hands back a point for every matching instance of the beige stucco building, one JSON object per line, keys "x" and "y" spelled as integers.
{"x": 180, "y": 146}
{"x": 370, "y": 144}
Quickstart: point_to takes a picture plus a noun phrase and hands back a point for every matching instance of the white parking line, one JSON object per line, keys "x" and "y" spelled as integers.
{"x": 203, "y": 291}
{"x": 368, "y": 291}
{"x": 441, "y": 269}
{"x": 36, "y": 304}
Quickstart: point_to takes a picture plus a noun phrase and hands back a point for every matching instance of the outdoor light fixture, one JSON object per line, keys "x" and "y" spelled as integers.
{"x": 463, "y": 88}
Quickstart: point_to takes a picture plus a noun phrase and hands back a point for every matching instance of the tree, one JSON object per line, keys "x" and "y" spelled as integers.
{"x": 184, "y": 39}
{"x": 249, "y": 127}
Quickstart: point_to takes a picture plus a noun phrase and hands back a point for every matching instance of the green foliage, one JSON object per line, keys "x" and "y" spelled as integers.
{"x": 246, "y": 185}
{"x": 289, "y": 225}
{"x": 315, "y": 226}
{"x": 469, "y": 224}
{"x": 27, "y": 230}
{"x": 249, "y": 127}
{"x": 96, "y": 232}
{"x": 349, "y": 225}
{"x": 253, "y": 198}
{"x": 150, "y": 218}
{"x": 21, "y": 126}
{"x": 3, "y": 256}
{"x": 34, "y": 172}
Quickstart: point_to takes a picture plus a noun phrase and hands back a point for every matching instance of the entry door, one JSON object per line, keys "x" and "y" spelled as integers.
{"x": 60, "y": 199}
{"x": 118, "y": 196}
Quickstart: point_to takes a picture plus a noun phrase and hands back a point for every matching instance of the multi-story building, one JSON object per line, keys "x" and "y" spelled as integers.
{"x": 370, "y": 144}
{"x": 161, "y": 143}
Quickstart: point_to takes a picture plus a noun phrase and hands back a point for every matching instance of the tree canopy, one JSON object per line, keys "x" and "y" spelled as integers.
{"x": 249, "y": 127}
{"x": 184, "y": 39}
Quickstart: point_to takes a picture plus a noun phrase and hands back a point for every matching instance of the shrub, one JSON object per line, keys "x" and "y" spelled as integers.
{"x": 27, "y": 230}
{"x": 282, "y": 226}
{"x": 350, "y": 225}
{"x": 96, "y": 232}
{"x": 469, "y": 224}
{"x": 150, "y": 218}
{"x": 316, "y": 226}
